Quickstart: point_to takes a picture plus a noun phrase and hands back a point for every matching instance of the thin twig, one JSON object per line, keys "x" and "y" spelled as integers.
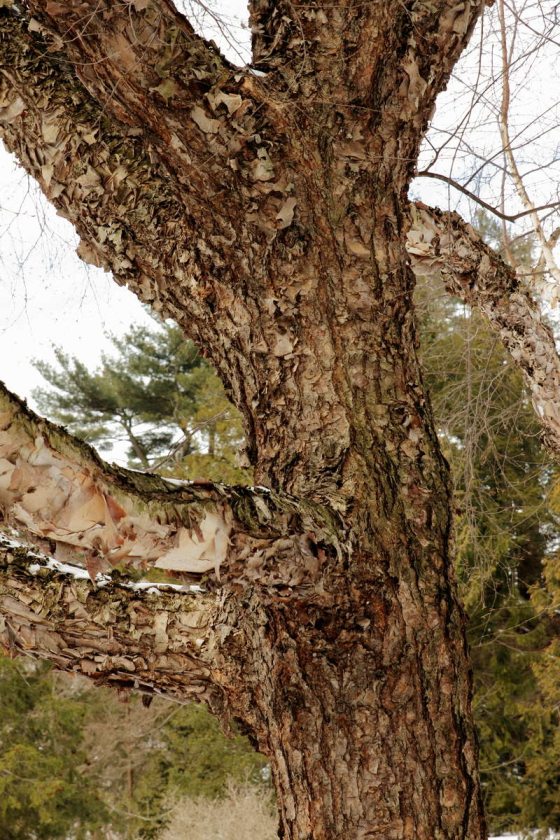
{"x": 489, "y": 207}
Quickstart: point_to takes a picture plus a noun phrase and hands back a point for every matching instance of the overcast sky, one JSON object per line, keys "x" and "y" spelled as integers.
{"x": 48, "y": 296}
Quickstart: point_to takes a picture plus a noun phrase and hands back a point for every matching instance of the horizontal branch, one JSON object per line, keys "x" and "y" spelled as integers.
{"x": 56, "y": 488}
{"x": 156, "y": 640}
{"x": 475, "y": 274}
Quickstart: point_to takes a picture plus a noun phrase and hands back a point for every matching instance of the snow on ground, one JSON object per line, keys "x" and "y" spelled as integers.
{"x": 521, "y": 837}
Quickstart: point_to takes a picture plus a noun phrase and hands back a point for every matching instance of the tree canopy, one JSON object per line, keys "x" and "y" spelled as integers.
{"x": 155, "y": 393}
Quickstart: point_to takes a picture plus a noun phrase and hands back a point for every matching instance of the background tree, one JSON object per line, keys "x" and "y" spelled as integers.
{"x": 156, "y": 393}
{"x": 43, "y": 793}
{"x": 79, "y": 760}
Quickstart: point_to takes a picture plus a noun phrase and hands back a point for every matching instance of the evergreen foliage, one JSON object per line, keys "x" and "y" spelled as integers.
{"x": 82, "y": 762}
{"x": 142, "y": 758}
{"x": 194, "y": 760}
{"x": 155, "y": 393}
{"x": 43, "y": 793}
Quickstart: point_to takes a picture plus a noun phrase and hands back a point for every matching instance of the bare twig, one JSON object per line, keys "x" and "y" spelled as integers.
{"x": 505, "y": 216}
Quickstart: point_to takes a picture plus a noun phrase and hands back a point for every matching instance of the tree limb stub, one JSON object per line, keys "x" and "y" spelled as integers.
{"x": 479, "y": 277}
{"x": 156, "y": 640}
{"x": 58, "y": 490}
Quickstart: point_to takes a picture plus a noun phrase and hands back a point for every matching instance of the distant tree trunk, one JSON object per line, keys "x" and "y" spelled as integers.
{"x": 135, "y": 445}
{"x": 212, "y": 440}
{"x": 267, "y": 213}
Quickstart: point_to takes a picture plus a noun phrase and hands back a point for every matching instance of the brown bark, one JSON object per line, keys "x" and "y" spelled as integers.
{"x": 268, "y": 216}
{"x": 154, "y": 639}
{"x": 475, "y": 274}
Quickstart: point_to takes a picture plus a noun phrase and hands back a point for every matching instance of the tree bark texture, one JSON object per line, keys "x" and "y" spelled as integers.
{"x": 267, "y": 213}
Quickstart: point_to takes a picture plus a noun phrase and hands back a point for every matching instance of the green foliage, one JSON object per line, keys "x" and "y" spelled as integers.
{"x": 158, "y": 394}
{"x": 42, "y": 792}
{"x": 505, "y": 529}
{"x": 195, "y": 759}
{"x": 491, "y": 437}
{"x": 78, "y": 761}
{"x": 140, "y": 758}
{"x": 198, "y": 759}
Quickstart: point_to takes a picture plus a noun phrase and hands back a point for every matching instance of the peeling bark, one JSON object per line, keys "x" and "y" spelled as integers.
{"x": 58, "y": 490}
{"x": 475, "y": 274}
{"x": 359, "y": 653}
{"x": 268, "y": 216}
{"x": 153, "y": 640}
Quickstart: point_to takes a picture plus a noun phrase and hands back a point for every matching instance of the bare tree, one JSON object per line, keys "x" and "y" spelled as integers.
{"x": 264, "y": 208}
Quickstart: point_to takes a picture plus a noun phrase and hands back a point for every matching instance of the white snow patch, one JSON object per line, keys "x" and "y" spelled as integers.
{"x": 79, "y": 573}
{"x": 550, "y": 836}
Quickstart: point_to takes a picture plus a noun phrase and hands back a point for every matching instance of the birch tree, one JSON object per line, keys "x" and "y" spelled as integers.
{"x": 265, "y": 209}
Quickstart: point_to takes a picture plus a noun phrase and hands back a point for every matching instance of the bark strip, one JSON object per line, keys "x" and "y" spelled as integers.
{"x": 475, "y": 274}
{"x": 57, "y": 489}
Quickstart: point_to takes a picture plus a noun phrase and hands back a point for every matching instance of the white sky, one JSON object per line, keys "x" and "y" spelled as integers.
{"x": 48, "y": 296}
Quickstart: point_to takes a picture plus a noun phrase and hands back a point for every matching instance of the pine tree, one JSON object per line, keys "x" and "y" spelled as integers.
{"x": 156, "y": 393}
{"x": 43, "y": 791}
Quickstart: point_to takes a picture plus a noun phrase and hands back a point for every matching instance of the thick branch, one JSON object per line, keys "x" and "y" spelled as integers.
{"x": 478, "y": 276}
{"x": 105, "y": 161}
{"x": 145, "y": 65}
{"x": 157, "y": 640}
{"x": 225, "y": 250}
{"x": 58, "y": 490}
{"x": 390, "y": 60}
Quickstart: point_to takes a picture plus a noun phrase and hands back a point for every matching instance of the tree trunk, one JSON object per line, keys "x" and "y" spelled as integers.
{"x": 363, "y": 713}
{"x": 267, "y": 214}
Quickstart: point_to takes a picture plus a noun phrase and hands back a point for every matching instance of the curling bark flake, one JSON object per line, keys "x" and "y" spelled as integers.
{"x": 267, "y": 214}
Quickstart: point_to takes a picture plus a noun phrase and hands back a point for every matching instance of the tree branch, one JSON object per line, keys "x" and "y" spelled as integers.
{"x": 58, "y": 490}
{"x": 321, "y": 39}
{"x": 156, "y": 640}
{"x": 146, "y": 67}
{"x": 203, "y": 244}
{"x": 479, "y": 277}
{"x": 104, "y": 158}
{"x": 491, "y": 209}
